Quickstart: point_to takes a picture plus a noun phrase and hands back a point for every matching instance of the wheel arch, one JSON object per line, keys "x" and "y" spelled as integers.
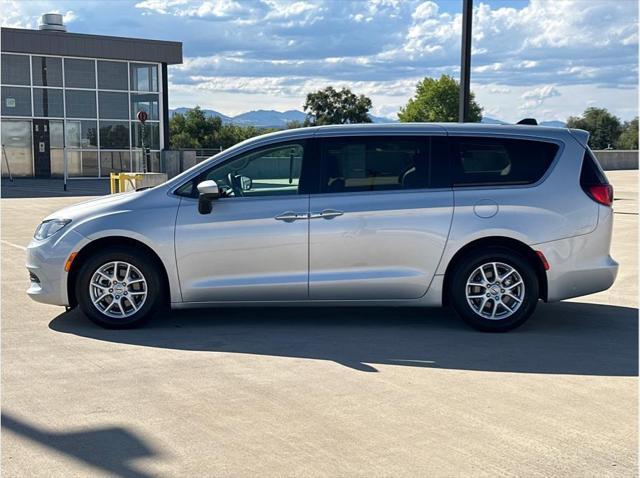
{"x": 111, "y": 241}
{"x": 517, "y": 246}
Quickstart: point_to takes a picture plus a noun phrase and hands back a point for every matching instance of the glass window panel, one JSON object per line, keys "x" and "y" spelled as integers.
{"x": 112, "y": 75}
{"x": 267, "y": 172}
{"x": 47, "y": 102}
{"x": 74, "y": 163}
{"x": 81, "y": 104}
{"x": 151, "y": 135}
{"x": 114, "y": 134}
{"x": 47, "y": 71}
{"x": 153, "y": 161}
{"x": 145, "y": 102}
{"x": 82, "y": 134}
{"x": 89, "y": 163}
{"x": 16, "y": 137}
{"x": 114, "y": 162}
{"x": 79, "y": 73}
{"x": 57, "y": 162}
{"x": 15, "y": 70}
{"x": 113, "y": 105}
{"x": 16, "y": 101}
{"x": 56, "y": 132}
{"x": 372, "y": 164}
{"x": 486, "y": 161}
{"x": 144, "y": 77}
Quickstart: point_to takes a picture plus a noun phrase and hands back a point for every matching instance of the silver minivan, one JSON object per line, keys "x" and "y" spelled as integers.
{"x": 488, "y": 219}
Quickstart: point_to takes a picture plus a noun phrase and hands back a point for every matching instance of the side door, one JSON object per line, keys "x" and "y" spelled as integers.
{"x": 41, "y": 148}
{"x": 379, "y": 225}
{"x": 253, "y": 245}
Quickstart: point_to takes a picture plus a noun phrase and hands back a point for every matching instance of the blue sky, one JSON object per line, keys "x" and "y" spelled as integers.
{"x": 543, "y": 58}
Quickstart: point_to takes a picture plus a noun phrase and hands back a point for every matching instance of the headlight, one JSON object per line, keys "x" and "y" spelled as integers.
{"x": 50, "y": 227}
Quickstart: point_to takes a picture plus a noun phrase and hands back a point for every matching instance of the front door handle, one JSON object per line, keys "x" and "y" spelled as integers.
{"x": 291, "y": 216}
{"x": 326, "y": 214}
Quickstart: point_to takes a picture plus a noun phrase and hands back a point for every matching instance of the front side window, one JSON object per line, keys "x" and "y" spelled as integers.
{"x": 373, "y": 164}
{"x": 271, "y": 171}
{"x": 495, "y": 161}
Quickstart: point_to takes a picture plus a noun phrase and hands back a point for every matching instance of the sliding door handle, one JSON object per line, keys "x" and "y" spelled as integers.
{"x": 326, "y": 214}
{"x": 291, "y": 216}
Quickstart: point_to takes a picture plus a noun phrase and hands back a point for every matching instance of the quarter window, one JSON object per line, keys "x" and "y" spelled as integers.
{"x": 495, "y": 161}
{"x": 373, "y": 164}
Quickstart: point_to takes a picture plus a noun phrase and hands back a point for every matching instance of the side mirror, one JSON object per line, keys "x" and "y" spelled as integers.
{"x": 246, "y": 183}
{"x": 208, "y": 192}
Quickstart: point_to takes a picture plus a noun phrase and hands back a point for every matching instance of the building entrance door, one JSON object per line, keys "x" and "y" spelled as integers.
{"x": 41, "y": 148}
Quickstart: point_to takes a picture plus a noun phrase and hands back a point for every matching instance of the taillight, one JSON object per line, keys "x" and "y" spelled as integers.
{"x": 593, "y": 180}
{"x": 601, "y": 193}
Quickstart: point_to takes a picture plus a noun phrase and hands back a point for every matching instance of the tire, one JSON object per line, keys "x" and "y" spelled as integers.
{"x": 482, "y": 311}
{"x": 95, "y": 280}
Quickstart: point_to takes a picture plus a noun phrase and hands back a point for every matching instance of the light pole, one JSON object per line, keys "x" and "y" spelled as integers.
{"x": 142, "y": 117}
{"x": 465, "y": 61}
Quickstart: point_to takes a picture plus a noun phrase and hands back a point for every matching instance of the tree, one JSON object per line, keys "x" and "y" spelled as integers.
{"x": 329, "y": 106}
{"x": 629, "y": 137}
{"x": 294, "y": 124}
{"x": 603, "y": 127}
{"x": 196, "y": 130}
{"x": 437, "y": 101}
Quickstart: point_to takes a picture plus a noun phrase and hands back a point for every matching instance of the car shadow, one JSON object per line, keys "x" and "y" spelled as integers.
{"x": 111, "y": 450}
{"x": 561, "y": 338}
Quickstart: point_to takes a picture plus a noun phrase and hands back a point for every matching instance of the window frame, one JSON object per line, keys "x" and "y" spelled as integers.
{"x": 455, "y": 139}
{"x": 304, "y": 183}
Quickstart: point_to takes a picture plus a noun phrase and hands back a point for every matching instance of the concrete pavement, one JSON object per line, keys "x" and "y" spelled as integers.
{"x": 320, "y": 392}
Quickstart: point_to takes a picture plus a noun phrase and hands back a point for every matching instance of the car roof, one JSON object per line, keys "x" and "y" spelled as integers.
{"x": 533, "y": 131}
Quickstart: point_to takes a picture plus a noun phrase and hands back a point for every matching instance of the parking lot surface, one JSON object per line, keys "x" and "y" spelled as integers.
{"x": 320, "y": 392}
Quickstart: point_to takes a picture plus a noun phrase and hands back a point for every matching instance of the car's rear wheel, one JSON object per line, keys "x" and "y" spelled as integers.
{"x": 117, "y": 289}
{"x": 495, "y": 289}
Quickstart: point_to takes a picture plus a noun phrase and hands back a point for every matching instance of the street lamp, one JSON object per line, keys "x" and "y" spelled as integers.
{"x": 465, "y": 61}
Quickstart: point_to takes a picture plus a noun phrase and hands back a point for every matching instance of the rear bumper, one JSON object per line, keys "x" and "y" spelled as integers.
{"x": 581, "y": 265}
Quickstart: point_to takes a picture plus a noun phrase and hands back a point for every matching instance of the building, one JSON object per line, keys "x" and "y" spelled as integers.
{"x": 76, "y": 96}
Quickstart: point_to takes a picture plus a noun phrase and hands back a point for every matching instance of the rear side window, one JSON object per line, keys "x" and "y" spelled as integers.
{"x": 499, "y": 161}
{"x": 591, "y": 172}
{"x": 374, "y": 164}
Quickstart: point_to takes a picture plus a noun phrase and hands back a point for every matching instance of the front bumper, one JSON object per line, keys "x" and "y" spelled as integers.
{"x": 46, "y": 260}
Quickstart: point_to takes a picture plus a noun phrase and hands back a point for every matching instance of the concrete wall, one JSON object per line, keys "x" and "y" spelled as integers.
{"x": 611, "y": 159}
{"x": 176, "y": 162}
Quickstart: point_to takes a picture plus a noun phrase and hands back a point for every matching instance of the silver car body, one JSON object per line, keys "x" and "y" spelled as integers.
{"x": 387, "y": 248}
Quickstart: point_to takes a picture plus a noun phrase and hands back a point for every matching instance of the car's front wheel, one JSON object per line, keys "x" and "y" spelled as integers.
{"x": 494, "y": 290}
{"x": 117, "y": 288}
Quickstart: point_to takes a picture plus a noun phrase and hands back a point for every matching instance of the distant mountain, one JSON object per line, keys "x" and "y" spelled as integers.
{"x": 266, "y": 118}
{"x": 487, "y": 120}
{"x": 183, "y": 110}
{"x": 554, "y": 124}
{"x": 382, "y": 119}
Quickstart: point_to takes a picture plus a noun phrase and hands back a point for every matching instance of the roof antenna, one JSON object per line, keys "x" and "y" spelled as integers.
{"x": 530, "y": 121}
